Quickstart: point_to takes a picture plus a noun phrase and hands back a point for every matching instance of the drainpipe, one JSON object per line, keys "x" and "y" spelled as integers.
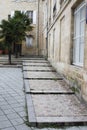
{"x": 38, "y": 29}
{"x": 47, "y": 30}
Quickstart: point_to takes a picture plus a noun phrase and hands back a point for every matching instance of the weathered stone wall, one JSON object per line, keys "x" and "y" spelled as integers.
{"x": 60, "y": 53}
{"x": 42, "y": 32}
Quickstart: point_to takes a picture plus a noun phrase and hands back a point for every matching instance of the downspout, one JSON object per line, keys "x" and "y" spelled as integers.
{"x": 38, "y": 29}
{"x": 47, "y": 30}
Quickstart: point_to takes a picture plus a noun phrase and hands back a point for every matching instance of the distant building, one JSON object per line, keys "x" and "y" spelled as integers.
{"x": 64, "y": 36}
{"x": 8, "y": 7}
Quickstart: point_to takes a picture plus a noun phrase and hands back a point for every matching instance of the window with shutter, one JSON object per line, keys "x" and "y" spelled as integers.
{"x": 30, "y": 15}
{"x": 34, "y": 17}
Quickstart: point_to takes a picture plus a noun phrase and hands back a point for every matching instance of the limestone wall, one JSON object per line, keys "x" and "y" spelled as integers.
{"x": 60, "y": 47}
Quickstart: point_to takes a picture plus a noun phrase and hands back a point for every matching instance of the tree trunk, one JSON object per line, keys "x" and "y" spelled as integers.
{"x": 20, "y": 49}
{"x": 14, "y": 48}
{"x": 16, "y": 51}
{"x": 9, "y": 54}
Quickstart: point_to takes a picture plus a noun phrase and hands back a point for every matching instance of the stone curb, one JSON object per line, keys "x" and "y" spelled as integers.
{"x": 61, "y": 121}
{"x": 11, "y": 66}
{"x": 30, "y": 107}
{"x": 60, "y": 78}
{"x": 31, "y": 111}
{"x": 26, "y": 85}
{"x": 40, "y": 70}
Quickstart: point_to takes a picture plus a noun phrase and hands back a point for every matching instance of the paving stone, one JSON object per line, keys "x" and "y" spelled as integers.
{"x": 5, "y": 124}
{"x": 22, "y": 114}
{"x": 3, "y": 103}
{"x": 5, "y": 107}
{"x": 13, "y": 116}
{"x": 19, "y": 109}
{"x": 9, "y": 111}
{"x": 12, "y": 102}
{"x": 17, "y": 121}
{"x": 16, "y": 105}
{"x": 39, "y": 129}
{"x": 10, "y": 128}
{"x": 57, "y": 128}
{"x": 73, "y": 128}
{"x": 1, "y": 99}
{"x": 1, "y": 113}
{"x": 82, "y": 127}
{"x": 22, "y": 127}
{"x": 3, "y": 118}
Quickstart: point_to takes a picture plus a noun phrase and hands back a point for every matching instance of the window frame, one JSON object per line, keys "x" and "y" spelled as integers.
{"x": 77, "y": 44}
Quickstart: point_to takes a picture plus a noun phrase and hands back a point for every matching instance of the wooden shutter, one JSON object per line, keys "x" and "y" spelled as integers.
{"x": 34, "y": 17}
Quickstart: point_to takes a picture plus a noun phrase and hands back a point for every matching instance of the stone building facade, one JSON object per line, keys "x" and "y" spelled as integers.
{"x": 65, "y": 33}
{"x": 42, "y": 39}
{"x": 29, "y": 47}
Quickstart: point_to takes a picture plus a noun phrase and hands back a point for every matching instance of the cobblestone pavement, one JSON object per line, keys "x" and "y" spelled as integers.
{"x": 12, "y": 102}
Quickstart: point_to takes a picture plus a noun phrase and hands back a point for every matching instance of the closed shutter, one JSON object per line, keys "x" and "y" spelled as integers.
{"x": 34, "y": 17}
{"x": 12, "y": 13}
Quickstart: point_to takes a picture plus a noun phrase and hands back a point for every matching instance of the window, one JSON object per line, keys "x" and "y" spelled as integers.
{"x": 30, "y": 15}
{"x": 79, "y": 29}
{"x": 29, "y": 41}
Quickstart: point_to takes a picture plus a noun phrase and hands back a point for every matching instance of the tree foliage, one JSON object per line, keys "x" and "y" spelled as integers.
{"x": 14, "y": 30}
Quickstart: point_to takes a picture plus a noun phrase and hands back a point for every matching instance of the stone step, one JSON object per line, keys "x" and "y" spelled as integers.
{"x": 42, "y": 75}
{"x": 35, "y": 68}
{"x": 37, "y": 64}
{"x": 47, "y": 87}
{"x": 55, "y": 109}
{"x": 35, "y": 61}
